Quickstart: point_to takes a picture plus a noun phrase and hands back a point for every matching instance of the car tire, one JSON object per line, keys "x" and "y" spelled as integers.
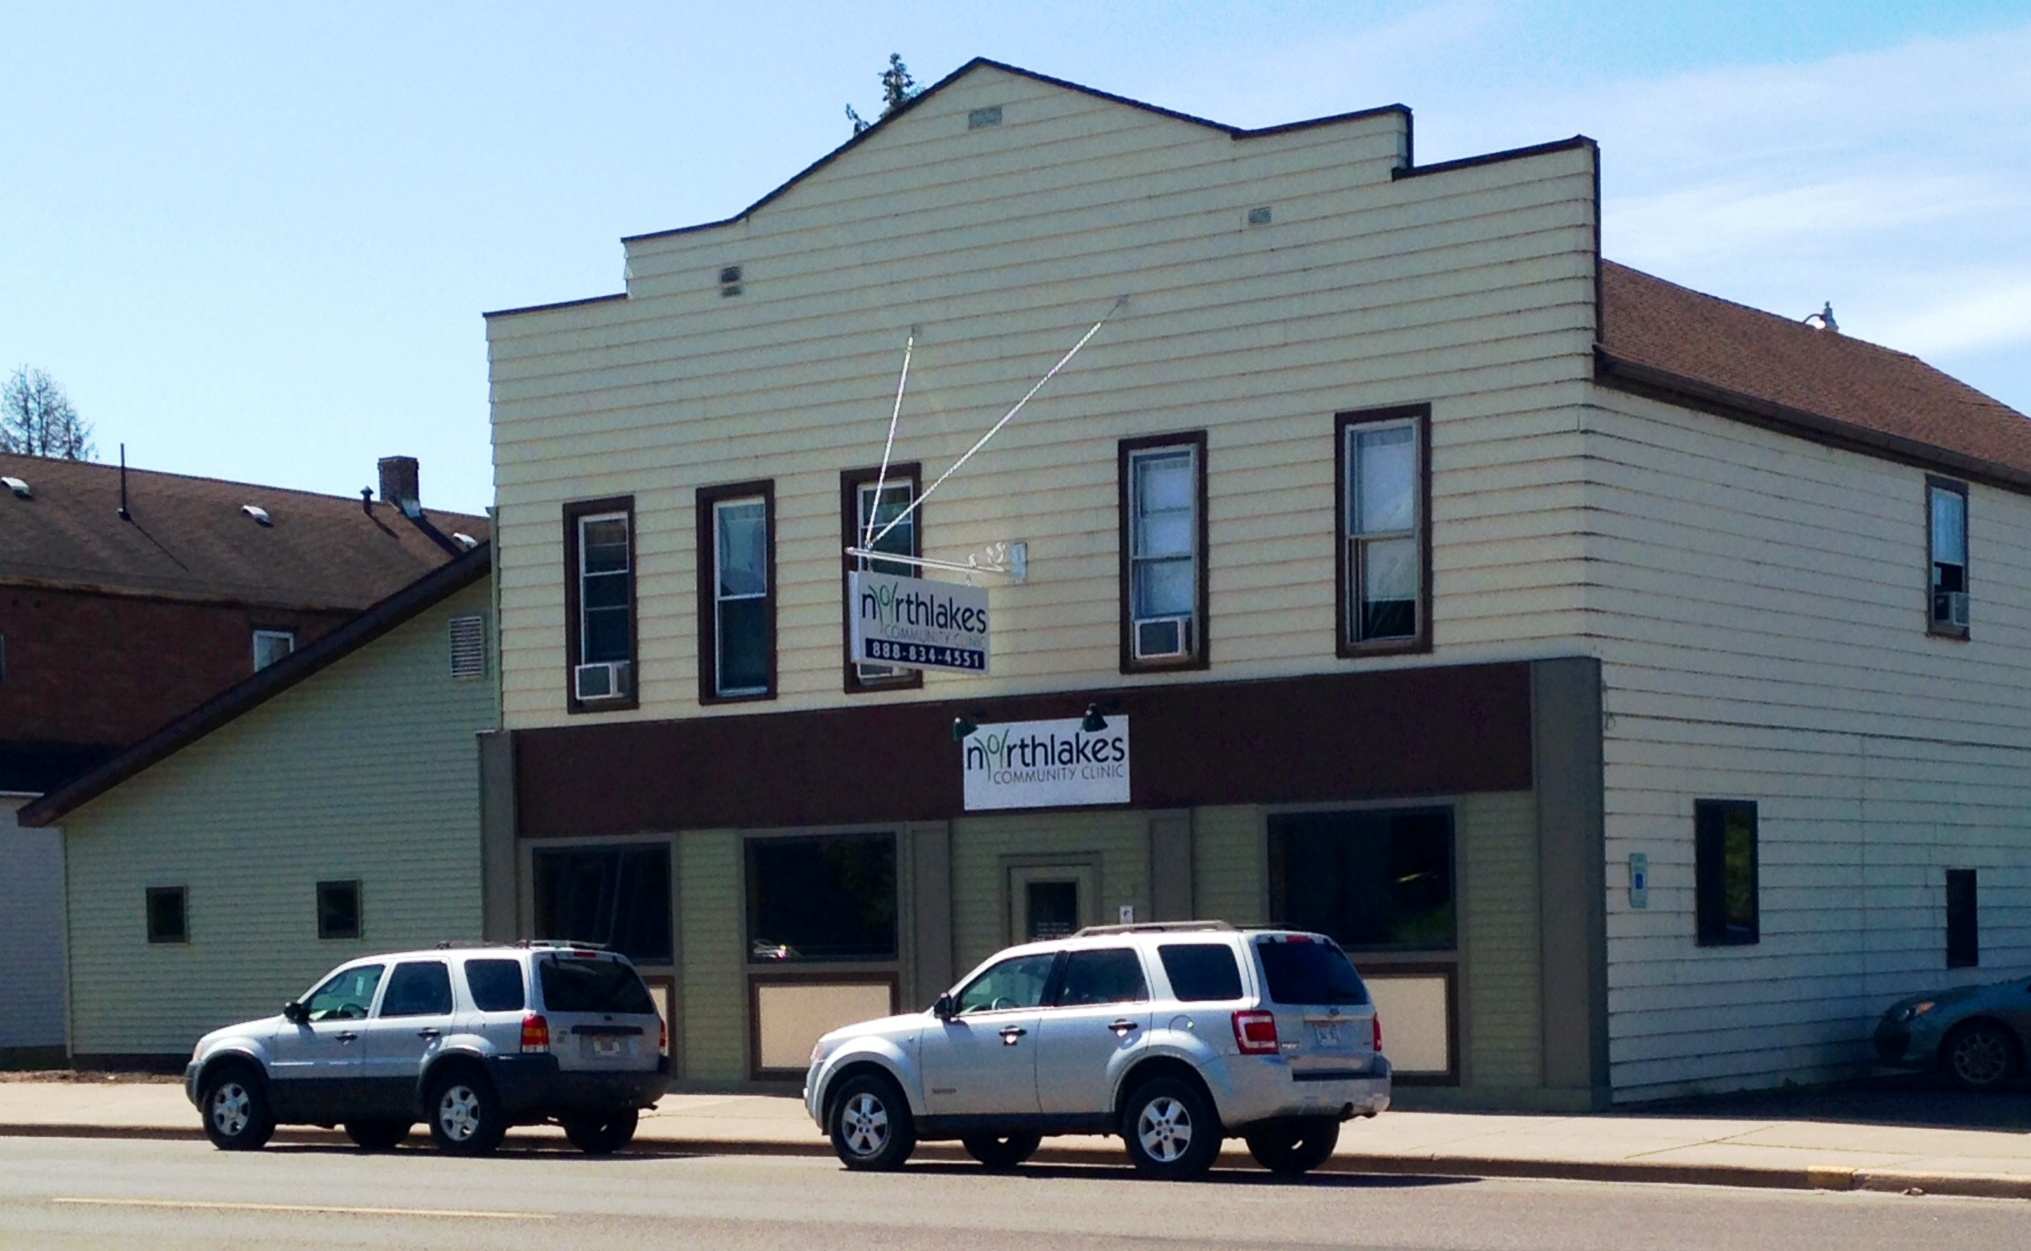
{"x": 1002, "y": 1153}
{"x": 1294, "y": 1148}
{"x": 870, "y": 1124}
{"x": 603, "y": 1134}
{"x": 465, "y": 1114}
{"x": 377, "y": 1135}
{"x": 234, "y": 1103}
{"x": 1980, "y": 1055}
{"x": 1171, "y": 1130}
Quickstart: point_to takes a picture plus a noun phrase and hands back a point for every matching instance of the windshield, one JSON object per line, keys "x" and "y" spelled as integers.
{"x": 593, "y": 986}
{"x": 1309, "y": 972}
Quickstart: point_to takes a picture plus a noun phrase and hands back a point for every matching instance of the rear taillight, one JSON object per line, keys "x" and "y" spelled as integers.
{"x": 663, "y": 1038}
{"x": 535, "y": 1033}
{"x": 1255, "y": 1032}
{"x": 1377, "y": 1018}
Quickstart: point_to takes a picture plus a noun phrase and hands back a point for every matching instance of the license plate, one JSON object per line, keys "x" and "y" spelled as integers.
{"x": 606, "y": 1047}
{"x": 1329, "y": 1035}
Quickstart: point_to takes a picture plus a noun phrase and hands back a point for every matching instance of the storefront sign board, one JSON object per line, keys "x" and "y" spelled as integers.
{"x": 1045, "y": 764}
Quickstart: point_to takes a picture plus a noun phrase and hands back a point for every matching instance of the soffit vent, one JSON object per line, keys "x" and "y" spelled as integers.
{"x": 468, "y": 647}
{"x": 980, "y": 119}
{"x": 730, "y": 280}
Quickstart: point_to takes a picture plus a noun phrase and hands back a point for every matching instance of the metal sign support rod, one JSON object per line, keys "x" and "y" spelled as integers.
{"x": 895, "y": 415}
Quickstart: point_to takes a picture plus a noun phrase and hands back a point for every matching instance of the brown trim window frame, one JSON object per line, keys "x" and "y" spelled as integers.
{"x": 1947, "y": 582}
{"x": 863, "y": 679}
{"x": 576, "y": 514}
{"x": 1351, "y": 544}
{"x": 712, "y": 501}
{"x": 1197, "y": 652}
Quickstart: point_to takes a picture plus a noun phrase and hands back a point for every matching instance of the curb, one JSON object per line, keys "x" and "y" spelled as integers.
{"x": 1808, "y": 1177}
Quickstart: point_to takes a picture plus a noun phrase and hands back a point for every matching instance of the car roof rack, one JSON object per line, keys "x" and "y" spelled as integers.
{"x": 1157, "y": 927}
{"x": 558, "y": 944}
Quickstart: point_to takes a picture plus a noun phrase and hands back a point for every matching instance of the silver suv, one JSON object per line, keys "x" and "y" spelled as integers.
{"x": 1171, "y": 1035}
{"x": 470, "y": 1040}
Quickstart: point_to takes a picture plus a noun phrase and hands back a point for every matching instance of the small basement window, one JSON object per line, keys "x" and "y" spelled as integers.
{"x": 338, "y": 909}
{"x": 468, "y": 647}
{"x": 168, "y": 914}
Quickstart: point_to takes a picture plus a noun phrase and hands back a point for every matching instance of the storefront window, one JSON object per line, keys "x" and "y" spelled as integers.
{"x": 830, "y": 897}
{"x": 1374, "y": 881}
{"x": 616, "y": 896}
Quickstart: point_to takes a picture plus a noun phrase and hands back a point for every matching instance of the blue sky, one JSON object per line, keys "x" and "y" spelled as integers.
{"x": 255, "y": 241}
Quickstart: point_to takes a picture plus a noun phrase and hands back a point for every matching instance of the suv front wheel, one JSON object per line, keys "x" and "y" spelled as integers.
{"x": 236, "y": 1109}
{"x": 465, "y": 1114}
{"x": 1171, "y": 1130}
{"x": 870, "y": 1124}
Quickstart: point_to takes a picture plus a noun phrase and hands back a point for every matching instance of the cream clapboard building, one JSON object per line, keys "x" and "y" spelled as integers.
{"x": 322, "y": 809}
{"x": 1627, "y": 678}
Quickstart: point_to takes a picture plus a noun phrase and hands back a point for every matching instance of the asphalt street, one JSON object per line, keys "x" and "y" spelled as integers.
{"x": 59, "y": 1194}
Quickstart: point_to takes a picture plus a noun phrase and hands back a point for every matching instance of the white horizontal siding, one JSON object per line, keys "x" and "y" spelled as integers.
{"x": 1759, "y": 604}
{"x": 1471, "y": 290}
{"x": 368, "y": 770}
{"x": 31, "y": 933}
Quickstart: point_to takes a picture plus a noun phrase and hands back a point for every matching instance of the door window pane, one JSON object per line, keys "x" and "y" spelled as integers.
{"x": 1201, "y": 972}
{"x": 1052, "y": 909}
{"x": 347, "y": 995}
{"x": 831, "y": 897}
{"x": 418, "y": 988}
{"x": 615, "y": 896}
{"x": 1371, "y": 881}
{"x": 1014, "y": 983}
{"x": 1112, "y": 975}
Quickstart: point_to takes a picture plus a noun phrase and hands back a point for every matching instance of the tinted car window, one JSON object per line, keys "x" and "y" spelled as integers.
{"x": 347, "y": 995}
{"x": 1014, "y": 983}
{"x": 496, "y": 985}
{"x": 593, "y": 986}
{"x": 1201, "y": 972}
{"x": 1113, "y": 975}
{"x": 1309, "y": 972}
{"x": 418, "y": 988}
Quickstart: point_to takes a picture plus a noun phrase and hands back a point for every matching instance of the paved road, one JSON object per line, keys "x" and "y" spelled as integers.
{"x": 73, "y": 1193}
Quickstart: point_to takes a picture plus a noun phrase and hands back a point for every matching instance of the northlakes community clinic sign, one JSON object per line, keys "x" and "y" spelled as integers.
{"x": 915, "y": 623}
{"x": 1045, "y": 764}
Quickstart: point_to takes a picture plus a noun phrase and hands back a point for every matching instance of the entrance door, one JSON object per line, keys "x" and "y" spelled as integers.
{"x": 1051, "y": 900}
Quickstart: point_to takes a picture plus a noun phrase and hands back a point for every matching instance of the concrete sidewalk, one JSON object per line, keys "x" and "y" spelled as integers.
{"x": 1746, "y": 1151}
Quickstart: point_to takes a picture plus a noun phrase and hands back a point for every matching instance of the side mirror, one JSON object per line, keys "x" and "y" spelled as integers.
{"x": 946, "y": 1008}
{"x": 295, "y": 1013}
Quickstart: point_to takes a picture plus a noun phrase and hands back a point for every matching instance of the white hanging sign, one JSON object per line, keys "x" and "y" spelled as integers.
{"x": 915, "y": 623}
{"x": 1045, "y": 764}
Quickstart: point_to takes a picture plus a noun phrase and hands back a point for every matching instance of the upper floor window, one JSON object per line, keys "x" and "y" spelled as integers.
{"x": 1947, "y": 509}
{"x": 1163, "y": 546}
{"x": 271, "y": 646}
{"x": 736, "y": 608}
{"x": 1385, "y": 545}
{"x": 599, "y": 562}
{"x": 862, "y": 517}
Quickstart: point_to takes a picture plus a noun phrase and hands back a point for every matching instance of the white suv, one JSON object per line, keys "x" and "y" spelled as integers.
{"x": 469, "y": 1039}
{"x": 1171, "y": 1035}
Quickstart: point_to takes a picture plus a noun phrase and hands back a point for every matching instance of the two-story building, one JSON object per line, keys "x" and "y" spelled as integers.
{"x": 1632, "y": 681}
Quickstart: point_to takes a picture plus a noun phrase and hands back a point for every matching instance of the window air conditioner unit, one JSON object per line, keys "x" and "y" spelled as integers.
{"x": 1950, "y": 608}
{"x": 1163, "y": 638}
{"x": 610, "y": 679}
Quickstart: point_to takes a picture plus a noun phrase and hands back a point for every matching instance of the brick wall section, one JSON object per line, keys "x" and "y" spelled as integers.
{"x": 84, "y": 667}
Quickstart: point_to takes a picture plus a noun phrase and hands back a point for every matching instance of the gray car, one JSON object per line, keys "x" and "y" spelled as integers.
{"x": 1171, "y": 1035}
{"x": 1976, "y": 1035}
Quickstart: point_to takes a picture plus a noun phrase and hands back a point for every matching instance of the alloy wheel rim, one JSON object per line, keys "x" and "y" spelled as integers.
{"x": 1980, "y": 1058}
{"x": 1164, "y": 1128}
{"x": 230, "y": 1111}
{"x": 864, "y": 1124}
{"x": 459, "y": 1113}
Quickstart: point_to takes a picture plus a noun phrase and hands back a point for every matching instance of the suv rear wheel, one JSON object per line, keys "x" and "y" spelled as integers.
{"x": 870, "y": 1124}
{"x": 1170, "y": 1129}
{"x": 236, "y": 1109}
{"x": 465, "y": 1114}
{"x": 1001, "y": 1153}
{"x": 1294, "y": 1148}
{"x": 377, "y": 1135}
{"x": 603, "y": 1134}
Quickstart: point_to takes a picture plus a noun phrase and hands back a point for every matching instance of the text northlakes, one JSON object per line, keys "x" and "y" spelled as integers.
{"x": 922, "y": 608}
{"x": 1044, "y": 751}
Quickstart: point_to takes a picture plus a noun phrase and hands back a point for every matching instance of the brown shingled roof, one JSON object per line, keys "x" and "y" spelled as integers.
{"x": 190, "y": 539}
{"x": 1661, "y": 335}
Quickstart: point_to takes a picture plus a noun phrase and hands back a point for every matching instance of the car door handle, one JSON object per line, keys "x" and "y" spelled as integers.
{"x": 1123, "y": 1026}
{"x": 1010, "y": 1034}
{"x": 430, "y": 1033}
{"x": 346, "y": 1037}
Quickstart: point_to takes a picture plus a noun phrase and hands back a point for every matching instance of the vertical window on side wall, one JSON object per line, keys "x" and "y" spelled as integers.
{"x": 736, "y": 592}
{"x": 1724, "y": 872}
{"x": 615, "y": 895}
{"x": 271, "y": 646}
{"x": 1163, "y": 552}
{"x": 1947, "y": 525}
{"x": 1385, "y": 541}
{"x": 338, "y": 910}
{"x": 168, "y": 914}
{"x": 599, "y": 581}
{"x": 1963, "y": 931}
{"x": 862, "y": 517}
